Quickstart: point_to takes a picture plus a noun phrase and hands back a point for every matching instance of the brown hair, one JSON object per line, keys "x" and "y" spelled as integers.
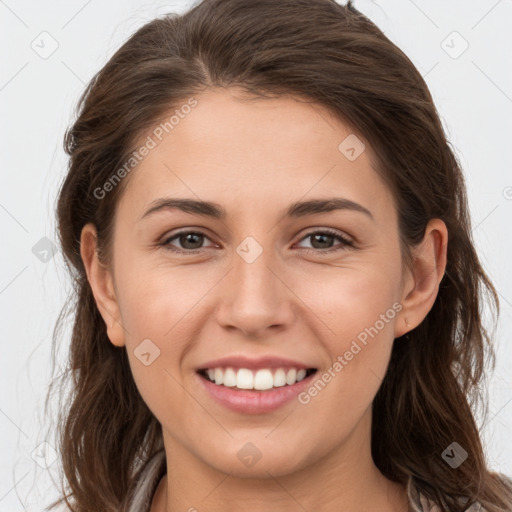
{"x": 334, "y": 56}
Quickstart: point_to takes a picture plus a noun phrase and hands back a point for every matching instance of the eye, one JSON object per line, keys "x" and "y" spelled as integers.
{"x": 322, "y": 238}
{"x": 191, "y": 242}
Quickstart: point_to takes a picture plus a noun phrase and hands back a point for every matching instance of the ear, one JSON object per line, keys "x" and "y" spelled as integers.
{"x": 422, "y": 281}
{"x": 102, "y": 285}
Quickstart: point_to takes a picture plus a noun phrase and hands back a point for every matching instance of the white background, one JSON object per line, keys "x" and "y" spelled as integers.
{"x": 473, "y": 93}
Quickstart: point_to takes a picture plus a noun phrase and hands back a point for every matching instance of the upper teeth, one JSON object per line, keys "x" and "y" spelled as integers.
{"x": 262, "y": 379}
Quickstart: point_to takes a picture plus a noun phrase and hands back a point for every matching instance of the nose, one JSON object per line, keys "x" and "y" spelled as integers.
{"x": 255, "y": 296}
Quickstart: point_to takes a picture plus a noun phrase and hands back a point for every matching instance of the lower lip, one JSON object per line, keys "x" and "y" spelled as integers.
{"x": 251, "y": 401}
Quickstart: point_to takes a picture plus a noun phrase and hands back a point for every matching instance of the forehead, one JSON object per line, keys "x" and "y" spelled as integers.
{"x": 252, "y": 153}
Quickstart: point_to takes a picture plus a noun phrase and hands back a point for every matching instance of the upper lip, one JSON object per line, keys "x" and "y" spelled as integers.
{"x": 254, "y": 363}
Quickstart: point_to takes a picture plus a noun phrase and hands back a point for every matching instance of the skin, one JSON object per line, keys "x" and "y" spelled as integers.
{"x": 255, "y": 158}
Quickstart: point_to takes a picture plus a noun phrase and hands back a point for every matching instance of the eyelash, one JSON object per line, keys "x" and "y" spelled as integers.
{"x": 345, "y": 242}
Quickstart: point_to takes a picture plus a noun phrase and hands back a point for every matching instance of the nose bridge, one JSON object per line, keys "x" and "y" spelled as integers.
{"x": 256, "y": 298}
{"x": 254, "y": 282}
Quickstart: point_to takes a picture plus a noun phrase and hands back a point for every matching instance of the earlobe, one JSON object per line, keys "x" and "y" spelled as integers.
{"x": 101, "y": 283}
{"x": 422, "y": 285}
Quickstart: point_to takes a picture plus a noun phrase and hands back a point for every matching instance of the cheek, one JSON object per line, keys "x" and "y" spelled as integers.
{"x": 160, "y": 309}
{"x": 159, "y": 332}
{"x": 350, "y": 300}
{"x": 162, "y": 302}
{"x": 355, "y": 311}
{"x": 359, "y": 343}
{"x": 155, "y": 301}
{"x": 342, "y": 310}
{"x": 151, "y": 304}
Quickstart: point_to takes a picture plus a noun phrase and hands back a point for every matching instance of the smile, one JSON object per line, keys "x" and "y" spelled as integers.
{"x": 261, "y": 379}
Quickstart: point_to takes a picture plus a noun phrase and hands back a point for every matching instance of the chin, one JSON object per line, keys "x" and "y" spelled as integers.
{"x": 250, "y": 461}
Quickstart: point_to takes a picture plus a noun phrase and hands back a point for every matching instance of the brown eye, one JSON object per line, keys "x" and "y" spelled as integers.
{"x": 321, "y": 241}
{"x": 189, "y": 241}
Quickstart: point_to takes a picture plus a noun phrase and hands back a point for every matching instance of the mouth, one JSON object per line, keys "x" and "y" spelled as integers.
{"x": 261, "y": 379}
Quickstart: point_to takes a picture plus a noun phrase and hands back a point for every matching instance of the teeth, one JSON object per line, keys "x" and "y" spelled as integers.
{"x": 301, "y": 374}
{"x": 244, "y": 379}
{"x": 291, "y": 377}
{"x": 260, "y": 380}
{"x": 229, "y": 378}
{"x": 279, "y": 378}
{"x": 263, "y": 380}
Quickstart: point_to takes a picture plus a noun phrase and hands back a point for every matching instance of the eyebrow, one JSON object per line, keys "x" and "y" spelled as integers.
{"x": 215, "y": 210}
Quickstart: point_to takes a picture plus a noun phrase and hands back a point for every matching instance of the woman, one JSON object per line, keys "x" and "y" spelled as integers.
{"x": 249, "y": 369}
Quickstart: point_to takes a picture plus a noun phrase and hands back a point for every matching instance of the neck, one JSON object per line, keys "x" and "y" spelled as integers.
{"x": 345, "y": 476}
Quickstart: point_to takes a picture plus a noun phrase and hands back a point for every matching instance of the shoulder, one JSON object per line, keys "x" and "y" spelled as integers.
{"x": 507, "y": 480}
{"x": 146, "y": 482}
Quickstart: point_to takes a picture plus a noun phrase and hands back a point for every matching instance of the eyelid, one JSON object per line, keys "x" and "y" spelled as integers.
{"x": 346, "y": 242}
{"x": 165, "y": 243}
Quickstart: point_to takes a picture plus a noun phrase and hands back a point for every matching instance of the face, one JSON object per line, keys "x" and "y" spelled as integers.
{"x": 270, "y": 289}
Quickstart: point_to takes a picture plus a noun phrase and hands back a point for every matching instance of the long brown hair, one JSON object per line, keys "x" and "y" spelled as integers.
{"x": 334, "y": 56}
